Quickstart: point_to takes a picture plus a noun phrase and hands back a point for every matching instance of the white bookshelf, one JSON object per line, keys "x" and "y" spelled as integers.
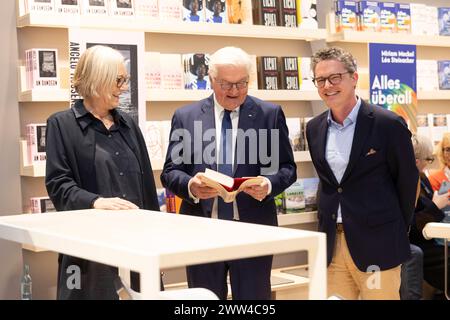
{"x": 171, "y": 27}
{"x": 384, "y": 37}
{"x": 155, "y": 95}
{"x": 290, "y": 219}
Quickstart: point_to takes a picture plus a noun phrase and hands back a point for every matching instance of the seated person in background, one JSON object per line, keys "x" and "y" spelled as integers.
{"x": 443, "y": 155}
{"x": 428, "y": 209}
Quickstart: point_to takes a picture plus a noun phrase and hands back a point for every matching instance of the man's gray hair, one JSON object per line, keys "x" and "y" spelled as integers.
{"x": 334, "y": 53}
{"x": 229, "y": 56}
{"x": 423, "y": 147}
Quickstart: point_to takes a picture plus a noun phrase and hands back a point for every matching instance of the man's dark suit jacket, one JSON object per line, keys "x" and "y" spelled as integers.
{"x": 253, "y": 114}
{"x": 377, "y": 192}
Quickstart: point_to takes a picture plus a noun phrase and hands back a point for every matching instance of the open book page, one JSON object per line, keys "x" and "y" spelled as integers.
{"x": 228, "y": 187}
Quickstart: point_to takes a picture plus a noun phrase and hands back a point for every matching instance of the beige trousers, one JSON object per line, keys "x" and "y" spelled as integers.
{"x": 347, "y": 281}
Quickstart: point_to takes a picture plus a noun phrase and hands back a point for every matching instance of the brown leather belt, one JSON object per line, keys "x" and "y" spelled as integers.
{"x": 339, "y": 227}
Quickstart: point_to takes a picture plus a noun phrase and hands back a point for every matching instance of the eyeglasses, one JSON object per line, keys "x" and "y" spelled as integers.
{"x": 225, "y": 85}
{"x": 121, "y": 80}
{"x": 334, "y": 78}
{"x": 430, "y": 160}
{"x": 446, "y": 149}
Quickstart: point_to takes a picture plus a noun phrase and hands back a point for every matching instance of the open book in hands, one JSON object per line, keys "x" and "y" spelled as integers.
{"x": 228, "y": 187}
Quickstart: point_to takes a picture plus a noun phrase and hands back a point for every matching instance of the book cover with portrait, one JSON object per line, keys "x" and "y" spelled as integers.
{"x": 196, "y": 67}
{"x": 239, "y": 11}
{"x": 216, "y": 11}
{"x": 193, "y": 11}
{"x": 95, "y": 7}
{"x": 67, "y": 7}
{"x": 444, "y": 74}
{"x": 35, "y": 135}
{"x": 41, "y": 68}
{"x": 122, "y": 8}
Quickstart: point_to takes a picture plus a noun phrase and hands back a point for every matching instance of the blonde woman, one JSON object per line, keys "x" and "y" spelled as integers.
{"x": 443, "y": 155}
{"x": 97, "y": 158}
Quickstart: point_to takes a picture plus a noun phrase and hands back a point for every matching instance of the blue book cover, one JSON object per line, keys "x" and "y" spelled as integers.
{"x": 392, "y": 70}
{"x": 444, "y": 21}
{"x": 445, "y": 187}
{"x": 444, "y": 74}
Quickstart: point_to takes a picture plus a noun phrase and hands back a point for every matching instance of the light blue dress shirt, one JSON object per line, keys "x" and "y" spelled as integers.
{"x": 339, "y": 145}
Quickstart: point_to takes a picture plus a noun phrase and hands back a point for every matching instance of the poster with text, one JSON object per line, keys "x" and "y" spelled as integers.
{"x": 393, "y": 79}
{"x": 131, "y": 46}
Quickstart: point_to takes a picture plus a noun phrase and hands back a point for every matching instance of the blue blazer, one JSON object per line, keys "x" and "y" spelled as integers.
{"x": 253, "y": 114}
{"x": 377, "y": 192}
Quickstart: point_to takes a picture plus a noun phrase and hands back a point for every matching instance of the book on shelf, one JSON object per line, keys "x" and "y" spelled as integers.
{"x": 146, "y": 9}
{"x": 35, "y": 136}
{"x": 152, "y": 70}
{"x": 294, "y": 198}
{"x": 265, "y": 12}
{"x": 170, "y": 10}
{"x": 279, "y": 203}
{"x": 403, "y": 17}
{"x": 310, "y": 188}
{"x": 305, "y": 74}
{"x": 307, "y": 14}
{"x": 156, "y": 135}
{"x": 41, "y": 68}
{"x": 296, "y": 134}
{"x": 368, "y": 16}
{"x": 122, "y": 8}
{"x": 253, "y": 75}
{"x": 388, "y": 16}
{"x": 171, "y": 71}
{"x": 95, "y": 7}
{"x": 193, "y": 11}
{"x": 268, "y": 73}
{"x": 226, "y": 186}
{"x": 289, "y": 73}
{"x": 444, "y": 74}
{"x": 346, "y": 15}
{"x": 196, "y": 67}
{"x": 41, "y": 205}
{"x": 216, "y": 11}
{"x": 424, "y": 125}
{"x": 239, "y": 11}
{"x": 427, "y": 75}
{"x": 67, "y": 7}
{"x": 287, "y": 13}
{"x": 440, "y": 124}
{"x": 444, "y": 21}
{"x": 37, "y": 6}
{"x": 161, "y": 195}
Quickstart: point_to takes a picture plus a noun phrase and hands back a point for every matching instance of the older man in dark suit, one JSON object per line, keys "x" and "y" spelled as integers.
{"x": 246, "y": 129}
{"x": 365, "y": 161}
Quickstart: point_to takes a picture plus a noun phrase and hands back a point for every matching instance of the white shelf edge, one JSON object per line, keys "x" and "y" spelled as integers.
{"x": 44, "y": 95}
{"x": 177, "y": 27}
{"x": 384, "y": 37}
{"x": 434, "y": 95}
{"x": 33, "y": 248}
{"x": 26, "y": 170}
{"x": 155, "y": 95}
{"x": 290, "y": 219}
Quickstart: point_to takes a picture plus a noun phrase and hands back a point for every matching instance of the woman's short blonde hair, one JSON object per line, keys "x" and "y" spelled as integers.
{"x": 445, "y": 142}
{"x": 423, "y": 148}
{"x": 96, "y": 71}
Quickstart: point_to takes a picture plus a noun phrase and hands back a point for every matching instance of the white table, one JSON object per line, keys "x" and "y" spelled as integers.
{"x": 442, "y": 231}
{"x": 145, "y": 241}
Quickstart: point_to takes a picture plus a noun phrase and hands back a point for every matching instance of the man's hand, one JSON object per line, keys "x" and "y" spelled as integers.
{"x": 441, "y": 200}
{"x": 201, "y": 190}
{"x": 259, "y": 192}
{"x": 113, "y": 204}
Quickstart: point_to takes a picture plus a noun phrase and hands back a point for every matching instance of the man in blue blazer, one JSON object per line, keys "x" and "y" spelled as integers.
{"x": 368, "y": 181}
{"x": 240, "y": 136}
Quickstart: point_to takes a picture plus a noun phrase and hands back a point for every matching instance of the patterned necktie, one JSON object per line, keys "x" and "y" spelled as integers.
{"x": 224, "y": 165}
